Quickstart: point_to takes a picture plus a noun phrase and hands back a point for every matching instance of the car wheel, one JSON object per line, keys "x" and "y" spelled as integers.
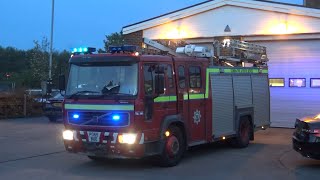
{"x": 174, "y": 148}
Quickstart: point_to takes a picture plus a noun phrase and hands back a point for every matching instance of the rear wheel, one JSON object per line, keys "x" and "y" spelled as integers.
{"x": 174, "y": 148}
{"x": 243, "y": 136}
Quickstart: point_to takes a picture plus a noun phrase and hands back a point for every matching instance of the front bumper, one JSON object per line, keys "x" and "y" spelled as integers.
{"x": 306, "y": 149}
{"x": 109, "y": 146}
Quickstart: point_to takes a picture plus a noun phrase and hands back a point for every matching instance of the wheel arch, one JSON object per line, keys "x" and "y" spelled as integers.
{"x": 173, "y": 120}
{"x": 246, "y": 113}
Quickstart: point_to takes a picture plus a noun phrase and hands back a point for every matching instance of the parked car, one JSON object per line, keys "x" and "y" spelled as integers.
{"x": 38, "y": 96}
{"x": 306, "y": 137}
{"x": 53, "y": 108}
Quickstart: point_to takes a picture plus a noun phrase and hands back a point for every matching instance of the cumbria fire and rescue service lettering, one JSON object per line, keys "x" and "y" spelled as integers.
{"x": 156, "y": 111}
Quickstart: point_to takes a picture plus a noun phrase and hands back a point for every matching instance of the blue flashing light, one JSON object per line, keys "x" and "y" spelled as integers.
{"x": 116, "y": 117}
{"x": 125, "y": 48}
{"x": 76, "y": 116}
{"x": 83, "y": 50}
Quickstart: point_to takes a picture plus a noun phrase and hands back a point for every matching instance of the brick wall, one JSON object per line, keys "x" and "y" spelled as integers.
{"x": 134, "y": 38}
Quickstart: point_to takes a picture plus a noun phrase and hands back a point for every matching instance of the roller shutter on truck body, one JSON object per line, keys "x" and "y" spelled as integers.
{"x": 293, "y": 59}
{"x": 233, "y": 91}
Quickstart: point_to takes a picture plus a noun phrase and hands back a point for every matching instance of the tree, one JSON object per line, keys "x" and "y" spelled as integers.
{"x": 114, "y": 39}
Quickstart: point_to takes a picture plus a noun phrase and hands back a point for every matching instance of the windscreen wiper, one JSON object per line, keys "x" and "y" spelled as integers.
{"x": 82, "y": 92}
{"x": 115, "y": 93}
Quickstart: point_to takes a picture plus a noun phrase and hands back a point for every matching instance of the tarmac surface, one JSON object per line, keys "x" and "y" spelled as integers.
{"x": 32, "y": 148}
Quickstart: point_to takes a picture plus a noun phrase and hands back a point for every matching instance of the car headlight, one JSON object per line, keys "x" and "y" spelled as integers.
{"x": 67, "y": 135}
{"x": 127, "y": 138}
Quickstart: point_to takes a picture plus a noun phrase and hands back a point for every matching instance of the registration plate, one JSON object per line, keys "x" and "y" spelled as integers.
{"x": 93, "y": 136}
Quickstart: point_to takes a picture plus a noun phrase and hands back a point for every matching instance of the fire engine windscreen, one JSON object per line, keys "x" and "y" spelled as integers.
{"x": 97, "y": 80}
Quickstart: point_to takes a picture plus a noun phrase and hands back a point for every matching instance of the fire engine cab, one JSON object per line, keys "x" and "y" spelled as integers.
{"x": 124, "y": 104}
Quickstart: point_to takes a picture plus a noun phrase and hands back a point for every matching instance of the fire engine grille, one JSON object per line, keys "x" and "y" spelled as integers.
{"x": 99, "y": 118}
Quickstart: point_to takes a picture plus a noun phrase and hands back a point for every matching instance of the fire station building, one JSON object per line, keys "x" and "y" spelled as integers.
{"x": 291, "y": 34}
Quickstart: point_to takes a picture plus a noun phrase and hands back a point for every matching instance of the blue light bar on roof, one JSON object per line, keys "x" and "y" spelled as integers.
{"x": 125, "y": 48}
{"x": 83, "y": 50}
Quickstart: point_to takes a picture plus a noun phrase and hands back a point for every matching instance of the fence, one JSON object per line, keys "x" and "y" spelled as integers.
{"x": 19, "y": 105}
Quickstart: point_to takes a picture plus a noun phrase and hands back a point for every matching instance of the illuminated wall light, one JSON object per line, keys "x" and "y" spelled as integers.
{"x": 177, "y": 33}
{"x": 284, "y": 28}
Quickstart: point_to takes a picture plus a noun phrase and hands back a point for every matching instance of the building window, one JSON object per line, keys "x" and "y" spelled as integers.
{"x": 315, "y": 82}
{"x": 276, "y": 82}
{"x": 297, "y": 82}
{"x": 195, "y": 76}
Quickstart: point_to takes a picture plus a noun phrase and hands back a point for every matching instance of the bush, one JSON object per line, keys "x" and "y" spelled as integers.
{"x": 12, "y": 105}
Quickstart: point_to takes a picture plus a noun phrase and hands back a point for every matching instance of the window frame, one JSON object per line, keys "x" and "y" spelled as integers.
{"x": 144, "y": 79}
{"x": 184, "y": 75}
{"x": 305, "y": 83}
{"x": 311, "y": 82}
{"x": 198, "y": 78}
{"x": 170, "y": 76}
{"x": 284, "y": 82}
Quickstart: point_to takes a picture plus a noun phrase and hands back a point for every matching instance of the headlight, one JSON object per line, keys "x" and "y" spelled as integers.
{"x": 127, "y": 138}
{"x": 67, "y": 135}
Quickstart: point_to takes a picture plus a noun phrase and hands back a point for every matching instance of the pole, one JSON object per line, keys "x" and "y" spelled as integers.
{"x": 51, "y": 40}
{"x": 25, "y": 105}
{"x": 51, "y": 44}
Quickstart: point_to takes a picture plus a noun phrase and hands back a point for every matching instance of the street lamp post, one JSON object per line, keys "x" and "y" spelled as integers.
{"x": 51, "y": 44}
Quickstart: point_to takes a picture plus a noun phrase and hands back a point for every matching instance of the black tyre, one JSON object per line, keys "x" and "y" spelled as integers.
{"x": 243, "y": 136}
{"x": 174, "y": 148}
{"x": 97, "y": 158}
{"x": 52, "y": 119}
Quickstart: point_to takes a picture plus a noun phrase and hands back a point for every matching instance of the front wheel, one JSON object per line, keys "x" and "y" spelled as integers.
{"x": 174, "y": 148}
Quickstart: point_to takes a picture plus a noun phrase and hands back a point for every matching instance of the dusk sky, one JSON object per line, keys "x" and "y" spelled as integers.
{"x": 77, "y": 22}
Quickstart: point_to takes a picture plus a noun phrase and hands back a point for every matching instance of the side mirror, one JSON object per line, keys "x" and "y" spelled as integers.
{"x": 62, "y": 82}
{"x": 159, "y": 84}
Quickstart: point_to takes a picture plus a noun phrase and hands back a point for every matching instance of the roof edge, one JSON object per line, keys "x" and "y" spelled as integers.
{"x": 225, "y": 2}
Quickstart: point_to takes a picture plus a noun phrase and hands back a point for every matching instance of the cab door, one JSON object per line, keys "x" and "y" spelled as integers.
{"x": 196, "y": 103}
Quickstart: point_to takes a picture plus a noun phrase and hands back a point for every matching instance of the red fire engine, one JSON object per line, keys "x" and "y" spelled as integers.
{"x": 124, "y": 104}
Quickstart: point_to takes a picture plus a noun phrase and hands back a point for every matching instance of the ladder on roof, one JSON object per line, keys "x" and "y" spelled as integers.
{"x": 230, "y": 52}
{"x": 159, "y": 46}
{"x": 240, "y": 51}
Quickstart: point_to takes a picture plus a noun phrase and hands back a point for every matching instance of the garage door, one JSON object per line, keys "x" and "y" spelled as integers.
{"x": 300, "y": 61}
